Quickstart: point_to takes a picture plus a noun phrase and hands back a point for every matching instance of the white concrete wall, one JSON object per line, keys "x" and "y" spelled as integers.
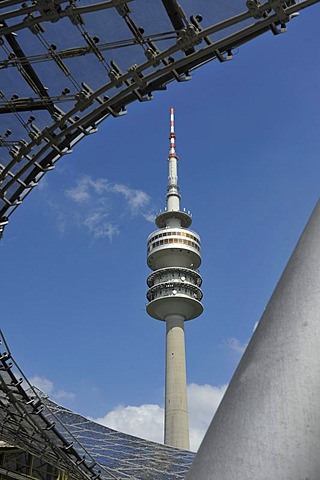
{"x": 268, "y": 424}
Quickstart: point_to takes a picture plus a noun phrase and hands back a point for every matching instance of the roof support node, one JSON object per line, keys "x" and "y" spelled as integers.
{"x": 122, "y": 7}
{"x": 279, "y": 9}
{"x": 188, "y": 38}
{"x": 49, "y": 8}
{"x": 116, "y": 74}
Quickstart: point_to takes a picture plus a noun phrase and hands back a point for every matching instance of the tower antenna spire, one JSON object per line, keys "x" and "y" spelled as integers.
{"x": 172, "y": 151}
{"x": 173, "y": 195}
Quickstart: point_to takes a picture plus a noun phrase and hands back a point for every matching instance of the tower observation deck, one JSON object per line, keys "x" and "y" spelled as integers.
{"x": 174, "y": 295}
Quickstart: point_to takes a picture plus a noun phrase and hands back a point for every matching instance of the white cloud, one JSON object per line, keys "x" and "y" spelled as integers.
{"x": 80, "y": 193}
{"x": 99, "y": 226}
{"x": 146, "y": 421}
{"x": 203, "y": 402}
{"x": 236, "y": 345}
{"x": 63, "y": 395}
{"x": 99, "y": 185}
{"x": 47, "y": 387}
{"x": 136, "y": 199}
{"x": 87, "y": 188}
{"x": 43, "y": 183}
{"x": 98, "y": 206}
{"x": 60, "y": 215}
{"x": 150, "y": 217}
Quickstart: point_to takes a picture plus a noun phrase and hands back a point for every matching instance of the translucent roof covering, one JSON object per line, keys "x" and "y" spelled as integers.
{"x": 82, "y": 448}
{"x": 66, "y": 65}
{"x": 123, "y": 455}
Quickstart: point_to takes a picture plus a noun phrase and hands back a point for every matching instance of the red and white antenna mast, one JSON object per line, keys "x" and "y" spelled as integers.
{"x": 173, "y": 195}
{"x": 172, "y": 151}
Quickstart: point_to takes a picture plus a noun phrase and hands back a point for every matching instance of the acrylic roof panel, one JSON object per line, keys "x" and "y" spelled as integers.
{"x": 123, "y": 454}
{"x": 66, "y": 65}
{"x": 82, "y": 448}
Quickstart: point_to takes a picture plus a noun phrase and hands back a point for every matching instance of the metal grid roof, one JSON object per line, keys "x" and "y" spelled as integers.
{"x": 70, "y": 442}
{"x": 66, "y": 65}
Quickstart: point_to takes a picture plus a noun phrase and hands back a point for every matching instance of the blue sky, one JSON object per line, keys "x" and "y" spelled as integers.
{"x": 74, "y": 254}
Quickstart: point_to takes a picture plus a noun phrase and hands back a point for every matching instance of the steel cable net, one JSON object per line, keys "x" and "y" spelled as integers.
{"x": 66, "y": 65}
{"x": 81, "y": 448}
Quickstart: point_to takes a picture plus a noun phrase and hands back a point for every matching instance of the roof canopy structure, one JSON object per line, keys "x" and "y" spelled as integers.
{"x": 66, "y": 65}
{"x": 72, "y": 443}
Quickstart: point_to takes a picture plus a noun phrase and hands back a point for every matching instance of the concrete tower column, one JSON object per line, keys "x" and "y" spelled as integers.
{"x": 176, "y": 425}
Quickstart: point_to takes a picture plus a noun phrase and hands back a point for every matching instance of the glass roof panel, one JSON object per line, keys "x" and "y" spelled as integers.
{"x": 85, "y": 449}
{"x": 67, "y": 65}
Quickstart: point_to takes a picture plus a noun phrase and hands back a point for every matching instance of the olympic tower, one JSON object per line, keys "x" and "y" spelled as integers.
{"x": 174, "y": 295}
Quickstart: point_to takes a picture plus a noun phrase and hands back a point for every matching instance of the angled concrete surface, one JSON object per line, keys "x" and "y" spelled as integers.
{"x": 268, "y": 424}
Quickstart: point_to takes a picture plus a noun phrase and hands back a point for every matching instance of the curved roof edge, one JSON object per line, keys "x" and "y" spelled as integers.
{"x": 95, "y": 76}
{"x": 84, "y": 449}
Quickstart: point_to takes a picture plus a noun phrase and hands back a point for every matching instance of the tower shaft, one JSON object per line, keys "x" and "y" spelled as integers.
{"x": 176, "y": 423}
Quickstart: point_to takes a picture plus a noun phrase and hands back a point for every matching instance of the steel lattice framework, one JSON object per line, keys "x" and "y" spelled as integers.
{"x": 67, "y": 65}
{"x": 79, "y": 447}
